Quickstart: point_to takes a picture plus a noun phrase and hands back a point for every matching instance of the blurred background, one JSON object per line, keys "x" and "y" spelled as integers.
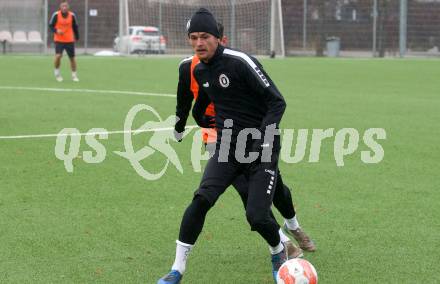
{"x": 262, "y": 27}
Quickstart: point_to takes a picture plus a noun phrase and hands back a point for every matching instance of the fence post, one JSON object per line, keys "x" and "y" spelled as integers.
{"x": 403, "y": 27}
{"x": 233, "y": 31}
{"x": 45, "y": 25}
{"x": 160, "y": 17}
{"x": 121, "y": 19}
{"x": 86, "y": 27}
{"x": 374, "y": 28}
{"x": 305, "y": 25}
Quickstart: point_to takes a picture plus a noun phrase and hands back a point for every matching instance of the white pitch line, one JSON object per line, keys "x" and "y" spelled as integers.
{"x": 93, "y": 133}
{"x": 87, "y": 91}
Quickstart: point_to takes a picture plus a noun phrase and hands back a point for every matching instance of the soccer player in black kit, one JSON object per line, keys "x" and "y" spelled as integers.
{"x": 187, "y": 91}
{"x": 248, "y": 111}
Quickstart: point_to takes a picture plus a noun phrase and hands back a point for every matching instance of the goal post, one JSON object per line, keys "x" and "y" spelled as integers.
{"x": 254, "y": 26}
{"x": 276, "y": 30}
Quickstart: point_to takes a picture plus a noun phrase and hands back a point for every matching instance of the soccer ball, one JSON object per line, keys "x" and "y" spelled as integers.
{"x": 297, "y": 271}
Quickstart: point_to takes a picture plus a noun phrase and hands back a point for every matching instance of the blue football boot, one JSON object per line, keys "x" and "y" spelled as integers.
{"x": 278, "y": 260}
{"x": 173, "y": 277}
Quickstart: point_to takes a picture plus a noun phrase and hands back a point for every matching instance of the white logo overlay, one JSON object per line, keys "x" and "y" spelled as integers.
{"x": 345, "y": 143}
{"x": 158, "y": 142}
{"x": 188, "y": 24}
{"x": 224, "y": 81}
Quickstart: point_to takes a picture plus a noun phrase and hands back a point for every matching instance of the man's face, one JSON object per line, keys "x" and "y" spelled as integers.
{"x": 203, "y": 44}
{"x": 64, "y": 7}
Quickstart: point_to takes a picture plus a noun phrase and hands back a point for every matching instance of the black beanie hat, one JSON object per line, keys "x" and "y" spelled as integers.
{"x": 203, "y": 21}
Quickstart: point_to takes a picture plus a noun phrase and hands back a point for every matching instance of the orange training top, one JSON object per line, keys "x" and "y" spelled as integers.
{"x": 65, "y": 25}
{"x": 209, "y": 135}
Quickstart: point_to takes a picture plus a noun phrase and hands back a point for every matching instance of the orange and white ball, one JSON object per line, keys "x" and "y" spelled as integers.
{"x": 297, "y": 271}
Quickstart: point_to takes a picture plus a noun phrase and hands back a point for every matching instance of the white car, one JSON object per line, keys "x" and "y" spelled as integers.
{"x": 141, "y": 40}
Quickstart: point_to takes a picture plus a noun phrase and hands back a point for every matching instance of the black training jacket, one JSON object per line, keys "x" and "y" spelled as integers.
{"x": 240, "y": 89}
{"x": 184, "y": 94}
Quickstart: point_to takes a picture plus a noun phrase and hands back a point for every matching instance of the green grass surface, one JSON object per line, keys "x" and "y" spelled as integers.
{"x": 372, "y": 223}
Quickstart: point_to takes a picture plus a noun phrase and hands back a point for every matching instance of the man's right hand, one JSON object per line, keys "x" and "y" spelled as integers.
{"x": 269, "y": 149}
{"x": 178, "y": 135}
{"x": 60, "y": 32}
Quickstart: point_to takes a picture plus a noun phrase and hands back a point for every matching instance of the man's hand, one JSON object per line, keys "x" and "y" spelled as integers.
{"x": 60, "y": 32}
{"x": 267, "y": 150}
{"x": 178, "y": 135}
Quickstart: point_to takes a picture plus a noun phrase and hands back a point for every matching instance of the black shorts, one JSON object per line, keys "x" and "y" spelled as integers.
{"x": 257, "y": 179}
{"x": 69, "y": 47}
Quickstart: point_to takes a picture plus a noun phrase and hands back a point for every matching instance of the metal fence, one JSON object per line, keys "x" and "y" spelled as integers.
{"x": 360, "y": 27}
{"x": 22, "y": 25}
{"x": 378, "y": 27}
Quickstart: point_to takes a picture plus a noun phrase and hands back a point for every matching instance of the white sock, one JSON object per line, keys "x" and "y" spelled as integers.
{"x": 283, "y": 237}
{"x": 74, "y": 74}
{"x": 292, "y": 224}
{"x": 277, "y": 249}
{"x": 182, "y": 252}
{"x": 57, "y": 72}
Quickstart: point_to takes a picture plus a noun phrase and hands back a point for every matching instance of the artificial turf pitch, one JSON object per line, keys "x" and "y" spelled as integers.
{"x": 103, "y": 223}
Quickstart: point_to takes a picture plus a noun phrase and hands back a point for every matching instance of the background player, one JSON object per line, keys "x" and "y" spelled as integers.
{"x": 64, "y": 25}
